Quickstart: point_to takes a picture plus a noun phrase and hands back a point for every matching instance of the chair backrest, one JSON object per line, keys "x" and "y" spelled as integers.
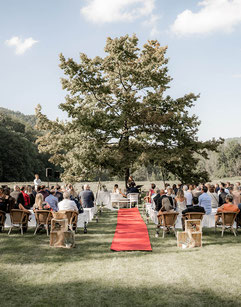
{"x": 133, "y": 197}
{"x": 194, "y": 215}
{"x": 69, "y": 215}
{"x": 114, "y": 197}
{"x": 42, "y": 216}
{"x": 228, "y": 218}
{"x": 17, "y": 216}
{"x": 169, "y": 218}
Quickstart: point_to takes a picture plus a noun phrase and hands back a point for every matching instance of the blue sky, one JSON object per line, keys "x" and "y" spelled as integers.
{"x": 204, "y": 47}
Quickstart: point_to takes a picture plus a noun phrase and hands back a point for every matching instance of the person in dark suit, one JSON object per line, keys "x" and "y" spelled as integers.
{"x": 132, "y": 188}
{"x": 194, "y": 208}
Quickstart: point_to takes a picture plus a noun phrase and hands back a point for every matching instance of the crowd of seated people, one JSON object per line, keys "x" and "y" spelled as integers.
{"x": 197, "y": 198}
{"x": 39, "y": 197}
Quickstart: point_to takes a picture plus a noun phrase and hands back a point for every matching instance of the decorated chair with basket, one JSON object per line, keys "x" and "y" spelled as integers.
{"x": 43, "y": 218}
{"x": 2, "y": 219}
{"x": 192, "y": 216}
{"x": 167, "y": 221}
{"x": 227, "y": 221}
{"x": 71, "y": 216}
{"x": 19, "y": 219}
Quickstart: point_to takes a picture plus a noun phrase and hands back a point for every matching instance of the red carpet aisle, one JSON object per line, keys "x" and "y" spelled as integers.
{"x": 131, "y": 233}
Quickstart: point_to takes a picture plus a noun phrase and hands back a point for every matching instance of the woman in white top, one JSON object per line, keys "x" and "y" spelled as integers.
{"x": 214, "y": 196}
{"x": 181, "y": 201}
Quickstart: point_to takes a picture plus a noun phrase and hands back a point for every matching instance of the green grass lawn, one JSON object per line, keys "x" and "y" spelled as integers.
{"x": 33, "y": 274}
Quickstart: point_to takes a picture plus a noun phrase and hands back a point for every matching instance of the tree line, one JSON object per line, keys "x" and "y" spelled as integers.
{"x": 20, "y": 158}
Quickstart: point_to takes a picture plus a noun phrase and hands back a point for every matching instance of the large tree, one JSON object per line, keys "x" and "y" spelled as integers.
{"x": 119, "y": 115}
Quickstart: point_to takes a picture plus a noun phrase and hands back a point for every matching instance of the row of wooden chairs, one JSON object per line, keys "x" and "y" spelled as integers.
{"x": 168, "y": 220}
{"x": 19, "y": 219}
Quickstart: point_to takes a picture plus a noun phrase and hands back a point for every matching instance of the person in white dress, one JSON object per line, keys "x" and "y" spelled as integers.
{"x": 181, "y": 201}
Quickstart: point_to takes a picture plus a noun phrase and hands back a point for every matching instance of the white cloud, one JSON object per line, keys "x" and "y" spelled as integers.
{"x": 107, "y": 11}
{"x": 237, "y": 76}
{"x": 152, "y": 22}
{"x": 214, "y": 15}
{"x": 21, "y": 45}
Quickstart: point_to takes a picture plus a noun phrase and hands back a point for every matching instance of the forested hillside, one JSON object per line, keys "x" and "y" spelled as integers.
{"x": 19, "y": 156}
{"x": 20, "y": 159}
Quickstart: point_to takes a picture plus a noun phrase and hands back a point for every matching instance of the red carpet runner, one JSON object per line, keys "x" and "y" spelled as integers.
{"x": 131, "y": 233}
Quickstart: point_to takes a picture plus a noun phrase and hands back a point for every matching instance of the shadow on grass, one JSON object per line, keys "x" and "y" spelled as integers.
{"x": 99, "y": 293}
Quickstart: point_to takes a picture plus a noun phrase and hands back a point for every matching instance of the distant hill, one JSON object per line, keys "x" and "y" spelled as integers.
{"x": 27, "y": 119}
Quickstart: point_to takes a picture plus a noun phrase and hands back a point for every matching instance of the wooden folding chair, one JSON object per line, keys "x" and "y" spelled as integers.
{"x": 227, "y": 221}
{"x": 2, "y": 219}
{"x": 19, "y": 219}
{"x": 43, "y": 218}
{"x": 167, "y": 220}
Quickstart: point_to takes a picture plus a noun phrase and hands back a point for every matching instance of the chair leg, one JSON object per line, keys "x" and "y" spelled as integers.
{"x": 10, "y": 229}
{"x": 47, "y": 229}
{"x": 163, "y": 233}
{"x": 222, "y": 232}
{"x": 234, "y": 232}
{"x": 36, "y": 230}
{"x": 21, "y": 227}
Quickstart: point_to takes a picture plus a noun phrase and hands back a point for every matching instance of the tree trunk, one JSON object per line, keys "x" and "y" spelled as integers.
{"x": 127, "y": 175}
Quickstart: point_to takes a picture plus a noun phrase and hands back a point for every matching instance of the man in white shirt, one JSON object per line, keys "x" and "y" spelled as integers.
{"x": 66, "y": 203}
{"x": 37, "y": 182}
{"x": 188, "y": 195}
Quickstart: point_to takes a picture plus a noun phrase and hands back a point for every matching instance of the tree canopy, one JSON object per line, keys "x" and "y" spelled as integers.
{"x": 120, "y": 117}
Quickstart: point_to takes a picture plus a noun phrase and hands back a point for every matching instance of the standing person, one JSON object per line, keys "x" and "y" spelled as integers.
{"x": 214, "y": 196}
{"x": 87, "y": 197}
{"x": 175, "y": 189}
{"x": 3, "y": 205}
{"x": 172, "y": 196}
{"x": 205, "y": 200}
{"x": 188, "y": 194}
{"x": 37, "y": 182}
{"x": 52, "y": 201}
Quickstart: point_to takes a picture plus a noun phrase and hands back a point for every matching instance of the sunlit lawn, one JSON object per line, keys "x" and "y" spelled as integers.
{"x": 33, "y": 274}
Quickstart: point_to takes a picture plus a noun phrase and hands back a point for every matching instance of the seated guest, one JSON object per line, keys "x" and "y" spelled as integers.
{"x": 164, "y": 202}
{"x": 175, "y": 189}
{"x": 87, "y": 197}
{"x": 9, "y": 200}
{"x": 66, "y": 203}
{"x": 40, "y": 204}
{"x": 194, "y": 208}
{"x": 172, "y": 196}
{"x": 117, "y": 190}
{"x": 181, "y": 201}
{"x": 151, "y": 192}
{"x": 43, "y": 191}
{"x": 3, "y": 205}
{"x": 214, "y": 196}
{"x": 236, "y": 195}
{"x": 19, "y": 199}
{"x": 26, "y": 198}
{"x": 132, "y": 188}
{"x": 205, "y": 200}
{"x": 52, "y": 201}
{"x": 222, "y": 197}
{"x": 58, "y": 193}
{"x": 157, "y": 196}
{"x": 227, "y": 207}
{"x": 31, "y": 195}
